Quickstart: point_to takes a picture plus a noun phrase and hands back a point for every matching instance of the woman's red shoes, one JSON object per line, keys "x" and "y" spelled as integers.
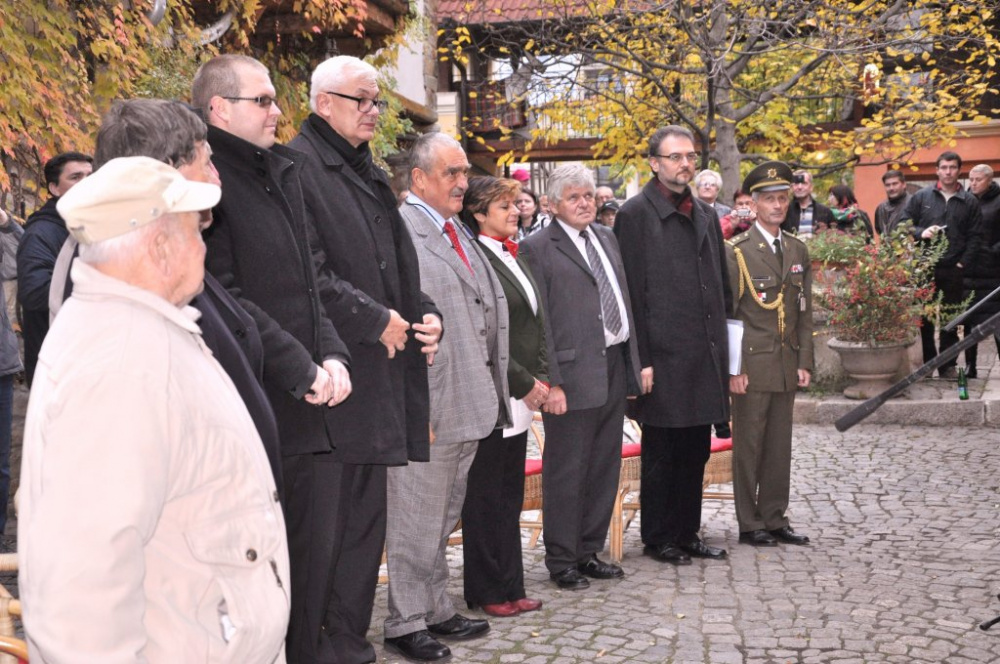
{"x": 527, "y": 604}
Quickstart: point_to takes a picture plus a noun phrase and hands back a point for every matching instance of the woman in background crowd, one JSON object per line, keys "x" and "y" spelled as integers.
{"x": 494, "y": 574}
{"x": 530, "y": 216}
{"x": 846, "y": 212}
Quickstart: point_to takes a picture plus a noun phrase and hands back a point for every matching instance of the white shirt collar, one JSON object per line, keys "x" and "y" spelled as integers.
{"x": 767, "y": 236}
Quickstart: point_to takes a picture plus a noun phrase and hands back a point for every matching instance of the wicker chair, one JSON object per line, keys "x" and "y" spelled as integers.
{"x": 718, "y": 470}
{"x": 533, "y": 487}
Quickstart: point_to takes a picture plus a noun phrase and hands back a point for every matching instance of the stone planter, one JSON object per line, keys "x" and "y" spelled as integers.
{"x": 871, "y": 367}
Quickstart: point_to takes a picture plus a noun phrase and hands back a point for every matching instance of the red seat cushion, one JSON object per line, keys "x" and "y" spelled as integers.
{"x": 532, "y": 467}
{"x": 721, "y": 444}
{"x": 631, "y": 450}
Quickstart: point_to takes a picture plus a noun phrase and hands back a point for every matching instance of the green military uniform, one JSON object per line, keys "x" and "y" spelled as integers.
{"x": 772, "y": 296}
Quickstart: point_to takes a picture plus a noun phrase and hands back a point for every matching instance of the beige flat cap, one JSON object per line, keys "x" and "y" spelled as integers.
{"x": 126, "y": 194}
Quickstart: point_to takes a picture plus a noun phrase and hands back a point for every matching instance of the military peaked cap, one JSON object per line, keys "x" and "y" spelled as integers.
{"x": 769, "y": 176}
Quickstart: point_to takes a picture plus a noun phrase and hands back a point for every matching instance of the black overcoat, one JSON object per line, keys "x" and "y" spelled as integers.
{"x": 259, "y": 251}
{"x": 983, "y": 276}
{"x": 679, "y": 286}
{"x": 366, "y": 265}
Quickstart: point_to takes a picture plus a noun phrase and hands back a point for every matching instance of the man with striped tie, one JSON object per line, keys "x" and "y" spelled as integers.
{"x": 593, "y": 364}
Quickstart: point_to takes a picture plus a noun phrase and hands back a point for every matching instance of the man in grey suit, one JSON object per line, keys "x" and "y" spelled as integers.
{"x": 468, "y": 400}
{"x": 593, "y": 364}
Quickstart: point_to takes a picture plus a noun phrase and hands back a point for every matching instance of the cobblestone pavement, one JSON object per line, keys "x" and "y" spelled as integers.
{"x": 904, "y": 564}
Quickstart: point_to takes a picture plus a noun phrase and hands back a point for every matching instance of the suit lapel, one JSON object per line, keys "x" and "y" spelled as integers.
{"x": 503, "y": 271}
{"x": 438, "y": 244}
{"x": 766, "y": 252}
{"x": 566, "y": 245}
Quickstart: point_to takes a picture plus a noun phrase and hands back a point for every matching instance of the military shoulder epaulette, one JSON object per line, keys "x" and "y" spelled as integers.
{"x": 736, "y": 239}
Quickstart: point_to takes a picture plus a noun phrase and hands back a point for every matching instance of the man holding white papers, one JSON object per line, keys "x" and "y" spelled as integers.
{"x": 675, "y": 263}
{"x": 771, "y": 276}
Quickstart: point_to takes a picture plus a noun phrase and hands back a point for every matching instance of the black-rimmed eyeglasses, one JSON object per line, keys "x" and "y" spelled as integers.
{"x": 364, "y": 105}
{"x": 263, "y": 101}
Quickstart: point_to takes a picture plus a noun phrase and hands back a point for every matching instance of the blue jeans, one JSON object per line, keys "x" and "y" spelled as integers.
{"x": 6, "y": 420}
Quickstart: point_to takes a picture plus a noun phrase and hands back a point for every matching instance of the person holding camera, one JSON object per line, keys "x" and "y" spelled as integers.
{"x": 741, "y": 217}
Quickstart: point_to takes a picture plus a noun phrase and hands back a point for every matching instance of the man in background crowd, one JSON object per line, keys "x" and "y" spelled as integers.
{"x": 890, "y": 211}
{"x": 805, "y": 214}
{"x": 946, "y": 207}
{"x": 983, "y": 276}
{"x": 44, "y": 235}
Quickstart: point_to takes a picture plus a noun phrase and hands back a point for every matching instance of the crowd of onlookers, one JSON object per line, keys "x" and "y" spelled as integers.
{"x": 255, "y": 367}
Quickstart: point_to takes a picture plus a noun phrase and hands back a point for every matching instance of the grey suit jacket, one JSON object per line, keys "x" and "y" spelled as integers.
{"x": 468, "y": 380}
{"x": 574, "y": 323}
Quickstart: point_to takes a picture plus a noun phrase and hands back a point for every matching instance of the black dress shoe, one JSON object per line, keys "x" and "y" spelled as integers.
{"x": 570, "y": 579}
{"x": 698, "y": 549}
{"x": 596, "y": 568}
{"x": 667, "y": 553}
{"x": 789, "y": 536}
{"x": 420, "y": 646}
{"x": 970, "y": 372}
{"x": 459, "y": 627}
{"x": 758, "y": 538}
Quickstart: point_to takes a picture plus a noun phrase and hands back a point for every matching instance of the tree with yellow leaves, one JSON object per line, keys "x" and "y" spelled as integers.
{"x": 816, "y": 82}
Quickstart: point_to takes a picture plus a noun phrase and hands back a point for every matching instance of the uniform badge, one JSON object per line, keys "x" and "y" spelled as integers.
{"x": 797, "y": 268}
{"x": 763, "y": 296}
{"x": 772, "y": 172}
{"x": 761, "y": 245}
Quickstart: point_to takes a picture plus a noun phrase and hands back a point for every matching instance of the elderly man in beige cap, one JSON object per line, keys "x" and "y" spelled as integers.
{"x": 148, "y": 529}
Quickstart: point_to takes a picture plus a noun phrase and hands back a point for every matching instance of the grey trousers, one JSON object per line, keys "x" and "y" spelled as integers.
{"x": 425, "y": 502}
{"x": 762, "y": 458}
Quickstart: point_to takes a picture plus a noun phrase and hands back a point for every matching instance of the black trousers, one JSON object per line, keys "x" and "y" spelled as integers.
{"x": 673, "y": 466}
{"x": 580, "y": 469}
{"x": 336, "y": 532}
{"x": 491, "y": 530}
{"x": 949, "y": 281}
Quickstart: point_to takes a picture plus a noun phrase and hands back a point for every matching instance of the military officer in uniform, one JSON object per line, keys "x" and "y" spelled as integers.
{"x": 771, "y": 280}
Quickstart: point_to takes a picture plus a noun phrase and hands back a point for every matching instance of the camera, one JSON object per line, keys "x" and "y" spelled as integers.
{"x": 799, "y": 178}
{"x": 742, "y": 212}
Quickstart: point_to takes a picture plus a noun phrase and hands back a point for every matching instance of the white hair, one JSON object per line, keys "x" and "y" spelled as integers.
{"x": 568, "y": 175}
{"x": 982, "y": 168}
{"x": 124, "y": 246}
{"x": 333, "y": 71}
{"x": 710, "y": 174}
{"x": 424, "y": 151}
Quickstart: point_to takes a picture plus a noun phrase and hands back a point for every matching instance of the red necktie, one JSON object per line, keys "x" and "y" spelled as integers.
{"x": 507, "y": 243}
{"x": 449, "y": 229}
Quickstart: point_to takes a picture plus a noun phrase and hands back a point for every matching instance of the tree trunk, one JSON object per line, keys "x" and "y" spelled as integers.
{"x": 727, "y": 153}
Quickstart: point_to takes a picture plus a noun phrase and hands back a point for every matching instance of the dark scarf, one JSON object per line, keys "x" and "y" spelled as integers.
{"x": 682, "y": 201}
{"x": 358, "y": 158}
